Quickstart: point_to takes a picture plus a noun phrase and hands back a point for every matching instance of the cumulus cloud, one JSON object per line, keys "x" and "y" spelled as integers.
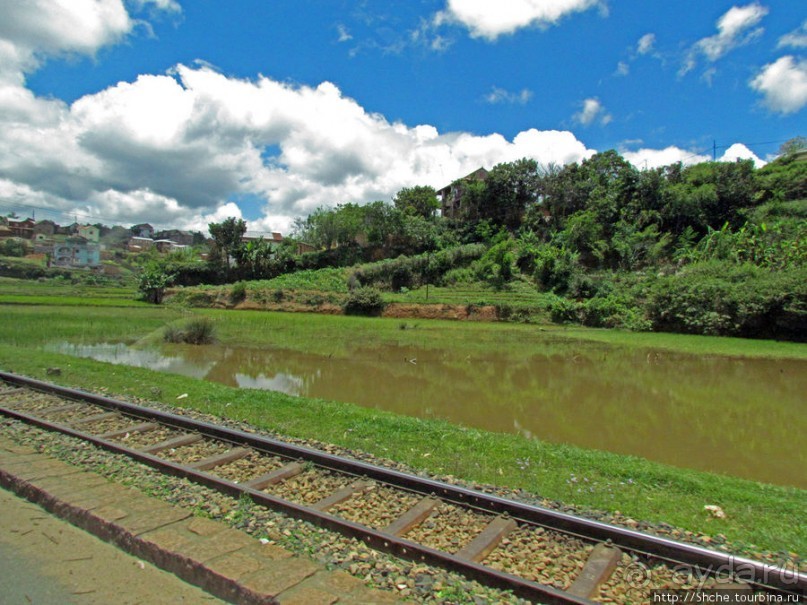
{"x": 501, "y": 96}
{"x": 592, "y": 111}
{"x": 656, "y": 158}
{"x": 344, "y": 34}
{"x": 735, "y": 28}
{"x": 795, "y": 39}
{"x": 646, "y": 44}
{"x": 738, "y": 151}
{"x": 783, "y": 85}
{"x": 111, "y": 154}
{"x": 490, "y": 20}
{"x": 51, "y": 27}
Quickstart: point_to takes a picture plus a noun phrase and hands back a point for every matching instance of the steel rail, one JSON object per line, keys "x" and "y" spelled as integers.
{"x": 750, "y": 571}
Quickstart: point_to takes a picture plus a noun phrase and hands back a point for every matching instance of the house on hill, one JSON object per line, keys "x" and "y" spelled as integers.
{"x": 45, "y": 228}
{"x": 143, "y": 230}
{"x": 89, "y": 232}
{"x": 451, "y": 195}
{"x": 76, "y": 251}
{"x": 139, "y": 244}
{"x": 181, "y": 238}
{"x": 22, "y": 228}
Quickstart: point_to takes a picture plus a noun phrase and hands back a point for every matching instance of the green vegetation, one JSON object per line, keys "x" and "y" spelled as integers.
{"x": 364, "y": 301}
{"x": 714, "y": 248}
{"x": 194, "y": 331}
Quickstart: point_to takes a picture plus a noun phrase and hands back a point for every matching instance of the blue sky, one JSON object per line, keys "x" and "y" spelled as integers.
{"x": 178, "y": 112}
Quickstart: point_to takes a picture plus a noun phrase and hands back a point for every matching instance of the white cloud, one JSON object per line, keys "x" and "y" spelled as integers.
{"x": 795, "y": 39}
{"x": 490, "y": 20}
{"x": 738, "y": 151}
{"x": 500, "y": 95}
{"x": 214, "y": 138}
{"x": 171, "y": 6}
{"x": 344, "y": 34}
{"x": 783, "y": 84}
{"x": 622, "y": 69}
{"x": 656, "y": 158}
{"x": 592, "y": 111}
{"x": 52, "y": 27}
{"x": 646, "y": 44}
{"x": 734, "y": 30}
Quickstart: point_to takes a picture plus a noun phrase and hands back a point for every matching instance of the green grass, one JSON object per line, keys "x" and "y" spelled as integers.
{"x": 768, "y": 516}
{"x": 18, "y": 290}
{"x": 322, "y": 280}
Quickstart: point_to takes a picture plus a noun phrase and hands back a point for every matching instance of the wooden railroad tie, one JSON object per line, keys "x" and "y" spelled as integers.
{"x": 600, "y": 565}
{"x": 488, "y": 539}
{"x": 181, "y": 440}
{"x": 93, "y": 418}
{"x": 276, "y": 476}
{"x": 341, "y": 495}
{"x": 414, "y": 516}
{"x": 220, "y": 459}
{"x": 60, "y": 408}
{"x": 143, "y": 427}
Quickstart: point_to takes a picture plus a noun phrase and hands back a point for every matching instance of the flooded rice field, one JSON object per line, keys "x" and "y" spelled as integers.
{"x": 742, "y": 417}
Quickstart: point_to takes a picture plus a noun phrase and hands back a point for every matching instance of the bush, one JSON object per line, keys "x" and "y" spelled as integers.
{"x": 238, "y": 293}
{"x": 742, "y": 300}
{"x": 199, "y": 331}
{"x": 554, "y": 267}
{"x": 12, "y": 247}
{"x": 613, "y": 312}
{"x": 563, "y": 310}
{"x": 364, "y": 301}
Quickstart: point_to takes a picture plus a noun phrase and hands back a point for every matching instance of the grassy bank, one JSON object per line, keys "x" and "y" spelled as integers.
{"x": 767, "y": 516}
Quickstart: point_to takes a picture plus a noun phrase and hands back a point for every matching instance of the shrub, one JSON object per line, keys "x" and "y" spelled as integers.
{"x": 741, "y": 300}
{"x": 198, "y": 331}
{"x": 613, "y": 312}
{"x": 238, "y": 293}
{"x": 364, "y": 301}
{"x": 563, "y": 310}
{"x": 554, "y": 267}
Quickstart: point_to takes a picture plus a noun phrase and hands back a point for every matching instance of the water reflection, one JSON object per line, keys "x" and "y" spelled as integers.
{"x": 743, "y": 417}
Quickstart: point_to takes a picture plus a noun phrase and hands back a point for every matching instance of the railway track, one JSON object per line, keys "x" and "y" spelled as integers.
{"x": 539, "y": 554}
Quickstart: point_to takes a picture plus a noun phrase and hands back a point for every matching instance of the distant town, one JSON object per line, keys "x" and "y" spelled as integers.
{"x": 88, "y": 245}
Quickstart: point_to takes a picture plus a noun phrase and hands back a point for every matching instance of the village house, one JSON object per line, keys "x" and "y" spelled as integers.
{"x": 451, "y": 195}
{"x": 44, "y": 229}
{"x": 166, "y": 245}
{"x": 76, "y": 251}
{"x": 139, "y": 244}
{"x": 143, "y": 230}
{"x": 180, "y": 238}
{"x": 22, "y": 228}
{"x": 89, "y": 232}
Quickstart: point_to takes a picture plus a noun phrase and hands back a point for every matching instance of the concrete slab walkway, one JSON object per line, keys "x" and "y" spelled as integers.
{"x": 222, "y": 561}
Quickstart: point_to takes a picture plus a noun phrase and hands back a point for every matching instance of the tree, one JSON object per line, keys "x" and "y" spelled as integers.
{"x": 510, "y": 188}
{"x": 153, "y": 281}
{"x": 793, "y": 146}
{"x": 228, "y": 237}
{"x": 419, "y": 201}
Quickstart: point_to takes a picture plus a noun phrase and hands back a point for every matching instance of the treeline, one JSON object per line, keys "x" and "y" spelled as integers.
{"x": 714, "y": 248}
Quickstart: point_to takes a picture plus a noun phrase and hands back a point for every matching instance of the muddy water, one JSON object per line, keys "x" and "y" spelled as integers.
{"x": 743, "y": 417}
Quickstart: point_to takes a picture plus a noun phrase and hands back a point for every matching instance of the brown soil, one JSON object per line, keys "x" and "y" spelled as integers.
{"x": 440, "y": 311}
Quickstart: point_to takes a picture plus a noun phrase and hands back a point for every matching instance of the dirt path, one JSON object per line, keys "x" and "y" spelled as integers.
{"x": 45, "y": 561}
